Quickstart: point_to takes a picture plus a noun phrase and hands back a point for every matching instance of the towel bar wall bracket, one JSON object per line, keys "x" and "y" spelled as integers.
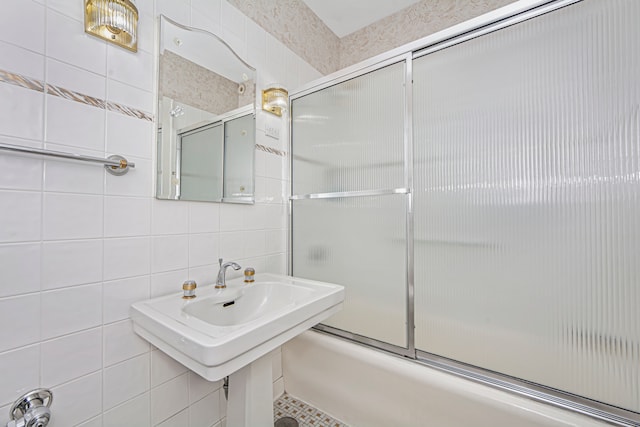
{"x": 121, "y": 168}
{"x": 115, "y": 165}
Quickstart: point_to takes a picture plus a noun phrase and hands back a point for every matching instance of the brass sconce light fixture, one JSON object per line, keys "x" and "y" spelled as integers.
{"x": 112, "y": 20}
{"x": 275, "y": 100}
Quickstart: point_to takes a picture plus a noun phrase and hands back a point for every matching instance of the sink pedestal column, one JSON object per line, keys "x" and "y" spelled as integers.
{"x": 251, "y": 395}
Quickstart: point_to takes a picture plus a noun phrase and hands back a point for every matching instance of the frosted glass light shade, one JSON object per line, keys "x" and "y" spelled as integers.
{"x": 112, "y": 20}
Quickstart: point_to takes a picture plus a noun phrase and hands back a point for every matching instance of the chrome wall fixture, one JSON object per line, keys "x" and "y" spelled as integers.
{"x": 31, "y": 409}
{"x": 115, "y": 165}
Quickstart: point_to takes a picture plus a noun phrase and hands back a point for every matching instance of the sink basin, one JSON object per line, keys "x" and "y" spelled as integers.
{"x": 224, "y": 330}
{"x": 231, "y": 332}
{"x": 247, "y": 303}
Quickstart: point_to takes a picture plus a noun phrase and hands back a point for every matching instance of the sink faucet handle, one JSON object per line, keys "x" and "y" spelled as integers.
{"x": 220, "y": 262}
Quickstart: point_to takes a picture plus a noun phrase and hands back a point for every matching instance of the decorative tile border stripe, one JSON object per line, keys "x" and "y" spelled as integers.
{"x": 306, "y": 415}
{"x": 75, "y": 96}
{"x": 37, "y": 85}
{"x": 128, "y": 111}
{"x": 22, "y": 81}
{"x": 271, "y": 150}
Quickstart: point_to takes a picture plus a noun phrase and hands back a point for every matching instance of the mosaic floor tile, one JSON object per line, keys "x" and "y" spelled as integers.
{"x": 305, "y": 414}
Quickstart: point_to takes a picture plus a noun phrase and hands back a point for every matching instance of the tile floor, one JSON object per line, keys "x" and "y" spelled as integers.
{"x": 306, "y": 415}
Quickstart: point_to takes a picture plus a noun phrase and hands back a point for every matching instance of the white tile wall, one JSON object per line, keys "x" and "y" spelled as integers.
{"x": 72, "y": 216}
{"x": 204, "y": 249}
{"x": 70, "y": 310}
{"x": 75, "y": 124}
{"x": 67, "y": 42}
{"x": 169, "y": 253}
{"x": 26, "y": 310}
{"x": 146, "y": 22}
{"x": 78, "y": 246}
{"x": 171, "y": 281}
{"x": 77, "y": 401}
{"x": 209, "y": 9}
{"x": 80, "y": 179}
{"x": 169, "y": 398}
{"x": 93, "y": 422}
{"x": 121, "y": 343}
{"x": 23, "y": 116}
{"x": 199, "y": 387}
{"x": 131, "y": 96}
{"x": 134, "y": 412}
{"x": 164, "y": 368}
{"x": 20, "y": 266}
{"x": 24, "y": 372}
{"x": 118, "y": 295}
{"x": 126, "y": 257}
{"x": 206, "y": 274}
{"x": 83, "y": 257}
{"x": 21, "y": 172}
{"x": 127, "y": 216}
{"x": 71, "y": 357}
{"x": 23, "y": 25}
{"x": 125, "y": 380}
{"x": 129, "y": 136}
{"x": 181, "y": 419}
{"x": 204, "y": 217}
{"x": 21, "y": 61}
{"x": 169, "y": 217}
{"x": 138, "y": 182}
{"x": 133, "y": 68}
{"x": 205, "y": 411}
{"x": 73, "y": 78}
{"x": 67, "y": 8}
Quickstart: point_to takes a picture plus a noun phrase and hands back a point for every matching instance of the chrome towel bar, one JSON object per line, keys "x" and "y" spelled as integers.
{"x": 115, "y": 165}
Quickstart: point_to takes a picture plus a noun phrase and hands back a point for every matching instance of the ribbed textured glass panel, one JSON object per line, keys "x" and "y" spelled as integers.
{"x": 360, "y": 243}
{"x": 239, "y": 147}
{"x": 349, "y": 137}
{"x": 527, "y": 201}
{"x": 201, "y": 164}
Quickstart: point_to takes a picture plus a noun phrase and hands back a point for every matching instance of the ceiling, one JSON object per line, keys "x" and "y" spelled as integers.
{"x": 346, "y": 16}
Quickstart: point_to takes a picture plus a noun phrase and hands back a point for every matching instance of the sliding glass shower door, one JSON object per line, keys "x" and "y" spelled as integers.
{"x": 349, "y": 199}
{"x": 527, "y": 201}
{"x": 486, "y": 190}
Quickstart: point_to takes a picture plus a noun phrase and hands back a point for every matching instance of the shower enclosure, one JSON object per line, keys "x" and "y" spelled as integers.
{"x": 478, "y": 195}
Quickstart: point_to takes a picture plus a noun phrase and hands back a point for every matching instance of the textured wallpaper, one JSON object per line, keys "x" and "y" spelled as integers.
{"x": 298, "y": 28}
{"x": 199, "y": 87}
{"x": 295, "y": 25}
{"x": 416, "y": 21}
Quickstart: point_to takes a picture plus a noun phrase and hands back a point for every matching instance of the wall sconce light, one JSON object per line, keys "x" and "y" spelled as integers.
{"x": 112, "y": 20}
{"x": 275, "y": 100}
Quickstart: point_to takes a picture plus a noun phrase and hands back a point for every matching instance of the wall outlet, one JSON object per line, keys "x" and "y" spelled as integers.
{"x": 272, "y": 131}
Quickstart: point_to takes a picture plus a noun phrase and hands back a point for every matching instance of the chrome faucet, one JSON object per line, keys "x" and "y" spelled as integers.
{"x": 221, "y": 281}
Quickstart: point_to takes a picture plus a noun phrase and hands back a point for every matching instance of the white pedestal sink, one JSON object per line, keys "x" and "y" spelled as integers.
{"x": 251, "y": 395}
{"x": 229, "y": 331}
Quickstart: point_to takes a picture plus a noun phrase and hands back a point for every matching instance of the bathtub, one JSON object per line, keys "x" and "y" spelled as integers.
{"x": 369, "y": 388}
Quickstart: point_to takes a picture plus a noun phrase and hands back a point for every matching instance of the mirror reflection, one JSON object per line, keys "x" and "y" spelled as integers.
{"x": 206, "y": 118}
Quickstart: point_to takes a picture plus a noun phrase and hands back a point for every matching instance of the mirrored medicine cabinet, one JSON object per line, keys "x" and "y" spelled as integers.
{"x": 206, "y": 118}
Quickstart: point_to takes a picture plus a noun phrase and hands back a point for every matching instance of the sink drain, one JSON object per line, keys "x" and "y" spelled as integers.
{"x": 286, "y": 422}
